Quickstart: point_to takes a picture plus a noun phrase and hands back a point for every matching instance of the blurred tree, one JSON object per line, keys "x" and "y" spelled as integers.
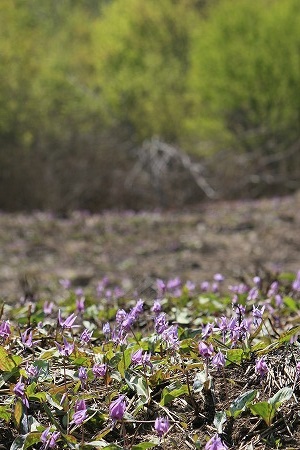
{"x": 142, "y": 52}
{"x": 245, "y": 74}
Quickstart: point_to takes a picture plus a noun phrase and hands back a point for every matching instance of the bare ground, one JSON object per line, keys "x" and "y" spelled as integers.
{"x": 238, "y": 239}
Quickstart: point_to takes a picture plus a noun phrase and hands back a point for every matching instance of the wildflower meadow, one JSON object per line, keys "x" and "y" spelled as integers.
{"x": 205, "y": 365}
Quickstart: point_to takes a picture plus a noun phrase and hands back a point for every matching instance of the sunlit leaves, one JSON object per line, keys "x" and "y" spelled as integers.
{"x": 240, "y": 403}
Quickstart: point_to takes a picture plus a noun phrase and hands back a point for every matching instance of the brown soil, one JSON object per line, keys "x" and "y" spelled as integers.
{"x": 238, "y": 239}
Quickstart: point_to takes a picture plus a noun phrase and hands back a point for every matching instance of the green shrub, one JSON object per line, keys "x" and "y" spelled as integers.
{"x": 141, "y": 49}
{"x": 245, "y": 74}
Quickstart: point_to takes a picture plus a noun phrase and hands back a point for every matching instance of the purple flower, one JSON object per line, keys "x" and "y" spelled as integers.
{"x": 82, "y": 375}
{"x": 128, "y": 322}
{"x": 101, "y": 286}
{"x": 66, "y": 284}
{"x": 5, "y": 329}
{"x": 241, "y": 288}
{"x": 86, "y": 336}
{"x": 218, "y": 360}
{"x": 161, "y": 425}
{"x": 137, "y": 357}
{"x": 161, "y": 287}
{"x": 120, "y": 316}
{"x": 218, "y": 277}
{"x": 261, "y": 367}
{"x": 31, "y": 371}
{"x": 48, "y": 307}
{"x": 257, "y": 281}
{"x": 205, "y": 350}
{"x": 137, "y": 309}
{"x": 215, "y": 443}
{"x": 170, "y": 336}
{"x": 207, "y": 330}
{"x": 66, "y": 349}
{"x": 26, "y": 339}
{"x": 119, "y": 336}
{"x": 190, "y": 286}
{"x": 106, "y": 330}
{"x": 160, "y": 323}
{"x": 173, "y": 284}
{"x": 253, "y": 294}
{"x": 205, "y": 286}
{"x": 49, "y": 439}
{"x": 68, "y": 323}
{"x": 80, "y": 413}
{"x": 140, "y": 358}
{"x": 296, "y": 282}
{"x": 257, "y": 315}
{"x": 80, "y": 307}
{"x": 298, "y": 368}
{"x": 19, "y": 391}
{"x": 278, "y": 300}
{"x": 117, "y": 408}
{"x": 99, "y": 370}
{"x": 156, "y": 308}
{"x": 273, "y": 289}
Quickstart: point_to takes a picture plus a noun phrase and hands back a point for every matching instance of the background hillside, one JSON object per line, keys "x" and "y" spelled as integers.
{"x": 106, "y": 103}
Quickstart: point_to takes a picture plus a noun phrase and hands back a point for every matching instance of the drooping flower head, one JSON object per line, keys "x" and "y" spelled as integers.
{"x": 161, "y": 425}
{"x": 205, "y": 350}
{"x": 261, "y": 367}
{"x": 49, "y": 438}
{"x": 86, "y": 336}
{"x": 215, "y": 443}
{"x": 219, "y": 360}
{"x": 80, "y": 413}
{"x": 99, "y": 370}
{"x": 66, "y": 349}
{"x": 19, "y": 391}
{"x": 117, "y": 408}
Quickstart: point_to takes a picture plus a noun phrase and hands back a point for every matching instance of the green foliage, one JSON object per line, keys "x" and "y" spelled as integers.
{"x": 245, "y": 73}
{"x": 142, "y": 52}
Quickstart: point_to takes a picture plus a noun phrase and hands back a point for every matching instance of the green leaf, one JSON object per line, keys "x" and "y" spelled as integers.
{"x": 281, "y": 396}
{"x": 219, "y": 420}
{"x": 240, "y": 403}
{"x": 291, "y": 303}
{"x": 5, "y": 413}
{"x": 234, "y": 356}
{"x": 139, "y": 385}
{"x": 265, "y": 410}
{"x": 173, "y": 391}
{"x": 199, "y": 381}
{"x": 48, "y": 354}
{"x": 31, "y": 439}
{"x": 43, "y": 369}
{"x": 18, "y": 411}
{"x": 8, "y": 362}
{"x": 125, "y": 361}
{"x": 18, "y": 443}
{"x": 144, "y": 446}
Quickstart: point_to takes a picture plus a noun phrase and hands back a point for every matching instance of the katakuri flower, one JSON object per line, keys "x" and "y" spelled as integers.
{"x": 161, "y": 425}
{"x": 205, "y": 350}
{"x": 19, "y": 391}
{"x": 66, "y": 349}
{"x": 219, "y": 360}
{"x": 117, "y": 408}
{"x": 99, "y": 370}
{"x": 68, "y": 323}
{"x": 80, "y": 413}
{"x": 261, "y": 367}
{"x": 215, "y": 443}
{"x": 49, "y": 438}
